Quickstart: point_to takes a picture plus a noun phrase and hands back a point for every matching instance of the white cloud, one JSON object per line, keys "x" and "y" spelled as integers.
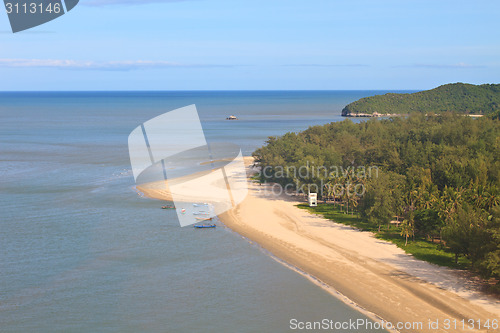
{"x": 124, "y": 65}
{"x": 458, "y": 65}
{"x": 327, "y": 65}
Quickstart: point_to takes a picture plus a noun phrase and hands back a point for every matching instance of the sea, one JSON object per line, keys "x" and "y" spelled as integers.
{"x": 81, "y": 251}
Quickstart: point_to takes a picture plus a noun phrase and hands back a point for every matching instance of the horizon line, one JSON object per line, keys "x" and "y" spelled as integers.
{"x": 209, "y": 90}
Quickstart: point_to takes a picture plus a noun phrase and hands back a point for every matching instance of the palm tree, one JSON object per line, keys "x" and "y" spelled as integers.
{"x": 353, "y": 199}
{"x": 492, "y": 200}
{"x": 408, "y": 226}
{"x": 450, "y": 201}
{"x": 479, "y": 195}
{"x": 343, "y": 195}
{"x": 332, "y": 189}
{"x": 425, "y": 198}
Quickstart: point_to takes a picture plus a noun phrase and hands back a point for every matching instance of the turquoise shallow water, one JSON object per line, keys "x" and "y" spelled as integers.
{"x": 82, "y": 252}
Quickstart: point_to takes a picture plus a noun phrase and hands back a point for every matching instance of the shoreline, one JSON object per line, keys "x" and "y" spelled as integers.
{"x": 387, "y": 115}
{"x": 375, "y": 275}
{"x": 335, "y": 293}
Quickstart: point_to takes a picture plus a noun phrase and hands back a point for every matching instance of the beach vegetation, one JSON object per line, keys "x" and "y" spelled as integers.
{"x": 420, "y": 247}
{"x": 436, "y": 185}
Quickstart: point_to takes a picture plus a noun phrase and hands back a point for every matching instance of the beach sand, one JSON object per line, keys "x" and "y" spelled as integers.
{"x": 376, "y": 275}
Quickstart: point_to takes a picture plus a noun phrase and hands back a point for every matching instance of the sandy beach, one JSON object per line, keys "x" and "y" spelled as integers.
{"x": 373, "y": 275}
{"x": 376, "y": 275}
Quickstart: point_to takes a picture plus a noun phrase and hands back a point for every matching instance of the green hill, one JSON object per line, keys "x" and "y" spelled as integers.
{"x": 457, "y": 97}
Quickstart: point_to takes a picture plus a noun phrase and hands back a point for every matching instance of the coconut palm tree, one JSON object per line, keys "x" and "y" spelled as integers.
{"x": 408, "y": 226}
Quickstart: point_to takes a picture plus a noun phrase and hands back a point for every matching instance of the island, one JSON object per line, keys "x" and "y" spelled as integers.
{"x": 462, "y": 98}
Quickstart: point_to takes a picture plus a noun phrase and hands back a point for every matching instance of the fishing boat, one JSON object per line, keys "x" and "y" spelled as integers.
{"x": 205, "y": 226}
{"x": 203, "y": 218}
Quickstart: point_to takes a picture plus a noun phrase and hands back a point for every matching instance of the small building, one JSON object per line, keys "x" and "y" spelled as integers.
{"x": 313, "y": 199}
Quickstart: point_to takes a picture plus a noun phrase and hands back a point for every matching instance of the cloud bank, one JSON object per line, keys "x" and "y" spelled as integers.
{"x": 458, "y": 65}
{"x": 327, "y": 65}
{"x": 124, "y": 65}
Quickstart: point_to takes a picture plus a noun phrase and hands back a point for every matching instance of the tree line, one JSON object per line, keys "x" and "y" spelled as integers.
{"x": 438, "y": 176}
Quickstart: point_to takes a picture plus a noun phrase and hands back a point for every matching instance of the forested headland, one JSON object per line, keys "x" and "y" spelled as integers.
{"x": 455, "y": 97}
{"x": 437, "y": 176}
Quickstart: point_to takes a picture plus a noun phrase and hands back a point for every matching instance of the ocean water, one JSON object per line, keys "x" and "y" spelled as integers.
{"x": 80, "y": 251}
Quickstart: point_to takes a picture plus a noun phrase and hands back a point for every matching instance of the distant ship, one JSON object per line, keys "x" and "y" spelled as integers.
{"x": 231, "y": 118}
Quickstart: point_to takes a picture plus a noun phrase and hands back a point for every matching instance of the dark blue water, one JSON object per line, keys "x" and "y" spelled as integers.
{"x": 80, "y": 251}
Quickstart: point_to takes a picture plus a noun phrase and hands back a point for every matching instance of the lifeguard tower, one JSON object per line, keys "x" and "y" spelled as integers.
{"x": 313, "y": 199}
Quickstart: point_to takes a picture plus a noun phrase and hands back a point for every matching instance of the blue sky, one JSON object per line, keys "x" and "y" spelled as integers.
{"x": 252, "y": 45}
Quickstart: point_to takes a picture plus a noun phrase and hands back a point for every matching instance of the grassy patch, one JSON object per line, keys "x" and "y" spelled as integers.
{"x": 419, "y": 248}
{"x": 256, "y": 178}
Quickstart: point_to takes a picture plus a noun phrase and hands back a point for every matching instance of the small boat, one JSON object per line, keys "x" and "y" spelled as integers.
{"x": 201, "y": 213}
{"x": 231, "y": 118}
{"x": 205, "y": 226}
{"x": 183, "y": 211}
{"x": 200, "y": 205}
{"x": 167, "y": 207}
{"x": 204, "y": 218}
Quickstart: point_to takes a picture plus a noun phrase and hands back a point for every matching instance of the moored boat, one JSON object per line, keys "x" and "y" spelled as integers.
{"x": 205, "y": 226}
{"x": 204, "y": 218}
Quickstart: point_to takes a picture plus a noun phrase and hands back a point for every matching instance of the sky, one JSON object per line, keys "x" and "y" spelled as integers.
{"x": 255, "y": 45}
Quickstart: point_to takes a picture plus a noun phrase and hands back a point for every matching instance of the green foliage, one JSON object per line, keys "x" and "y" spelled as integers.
{"x": 380, "y": 201}
{"x": 465, "y": 234}
{"x": 457, "y": 97}
{"x": 489, "y": 266}
{"x": 333, "y": 212}
{"x": 428, "y": 223}
{"x": 408, "y": 226}
{"x": 439, "y": 175}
